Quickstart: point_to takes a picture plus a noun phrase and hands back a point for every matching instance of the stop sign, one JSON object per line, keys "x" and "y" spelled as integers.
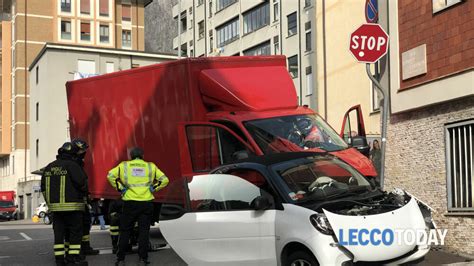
{"x": 368, "y": 43}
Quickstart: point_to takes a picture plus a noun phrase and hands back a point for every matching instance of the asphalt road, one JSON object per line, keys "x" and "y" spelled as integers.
{"x": 25, "y": 243}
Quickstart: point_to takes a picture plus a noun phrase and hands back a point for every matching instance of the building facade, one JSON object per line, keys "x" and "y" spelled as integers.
{"x": 342, "y": 82}
{"x": 160, "y": 27}
{"x": 252, "y": 27}
{"x": 431, "y": 130}
{"x": 33, "y": 23}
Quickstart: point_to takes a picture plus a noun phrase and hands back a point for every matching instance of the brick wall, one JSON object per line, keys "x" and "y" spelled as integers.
{"x": 416, "y": 162}
{"x": 449, "y": 37}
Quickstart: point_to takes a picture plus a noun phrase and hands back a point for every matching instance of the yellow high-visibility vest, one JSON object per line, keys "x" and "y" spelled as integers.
{"x": 136, "y": 177}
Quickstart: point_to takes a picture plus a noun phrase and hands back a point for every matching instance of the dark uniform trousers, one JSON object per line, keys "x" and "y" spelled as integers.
{"x": 65, "y": 224}
{"x": 141, "y": 211}
{"x": 86, "y": 229}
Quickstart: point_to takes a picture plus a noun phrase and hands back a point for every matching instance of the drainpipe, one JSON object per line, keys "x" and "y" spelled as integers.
{"x": 324, "y": 64}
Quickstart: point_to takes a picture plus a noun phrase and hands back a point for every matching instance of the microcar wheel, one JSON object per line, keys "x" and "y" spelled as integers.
{"x": 301, "y": 258}
{"x": 42, "y": 214}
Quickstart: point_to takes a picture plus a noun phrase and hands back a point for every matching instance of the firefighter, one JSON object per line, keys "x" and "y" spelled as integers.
{"x": 81, "y": 148}
{"x": 136, "y": 180}
{"x": 115, "y": 211}
{"x": 64, "y": 187}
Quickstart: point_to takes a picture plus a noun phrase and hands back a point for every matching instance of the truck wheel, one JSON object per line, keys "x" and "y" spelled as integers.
{"x": 42, "y": 214}
{"x": 301, "y": 258}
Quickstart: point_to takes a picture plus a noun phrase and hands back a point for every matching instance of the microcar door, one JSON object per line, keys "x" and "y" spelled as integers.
{"x": 222, "y": 223}
{"x": 353, "y": 130}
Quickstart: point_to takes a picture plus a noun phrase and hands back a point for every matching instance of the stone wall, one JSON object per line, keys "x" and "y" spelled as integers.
{"x": 160, "y": 27}
{"x": 415, "y": 161}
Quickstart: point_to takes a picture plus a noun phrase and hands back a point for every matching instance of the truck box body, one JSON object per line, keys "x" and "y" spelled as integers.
{"x": 146, "y": 107}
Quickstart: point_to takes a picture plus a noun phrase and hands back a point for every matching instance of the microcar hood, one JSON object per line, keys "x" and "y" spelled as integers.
{"x": 348, "y": 232}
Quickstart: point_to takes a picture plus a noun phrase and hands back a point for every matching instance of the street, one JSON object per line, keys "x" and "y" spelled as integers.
{"x": 26, "y": 243}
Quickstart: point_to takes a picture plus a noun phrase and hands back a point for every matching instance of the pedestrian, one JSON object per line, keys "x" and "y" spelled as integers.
{"x": 64, "y": 188}
{"x": 81, "y": 147}
{"x": 98, "y": 213}
{"x": 376, "y": 158}
{"x": 136, "y": 180}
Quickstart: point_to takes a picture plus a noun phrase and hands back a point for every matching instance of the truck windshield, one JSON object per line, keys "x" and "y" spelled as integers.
{"x": 6, "y": 204}
{"x": 294, "y": 133}
{"x": 322, "y": 179}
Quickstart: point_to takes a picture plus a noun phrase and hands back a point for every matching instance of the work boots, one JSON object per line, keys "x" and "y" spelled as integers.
{"x": 86, "y": 249}
{"x": 75, "y": 260}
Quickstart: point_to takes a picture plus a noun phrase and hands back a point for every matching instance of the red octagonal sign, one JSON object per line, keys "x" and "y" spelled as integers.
{"x": 369, "y": 43}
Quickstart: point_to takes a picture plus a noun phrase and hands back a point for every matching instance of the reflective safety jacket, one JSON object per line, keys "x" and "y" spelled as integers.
{"x": 64, "y": 186}
{"x": 137, "y": 179}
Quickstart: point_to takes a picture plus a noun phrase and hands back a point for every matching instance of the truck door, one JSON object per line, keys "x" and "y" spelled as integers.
{"x": 353, "y": 130}
{"x": 204, "y": 146}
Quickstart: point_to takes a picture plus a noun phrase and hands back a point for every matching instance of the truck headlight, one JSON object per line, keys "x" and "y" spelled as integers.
{"x": 321, "y": 223}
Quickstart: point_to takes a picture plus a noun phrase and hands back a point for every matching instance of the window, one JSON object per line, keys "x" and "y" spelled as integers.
{"x": 37, "y": 147}
{"x": 307, "y": 3}
{"x": 309, "y": 80}
{"x": 65, "y": 30}
{"x": 257, "y": 18}
{"x": 211, "y": 41}
{"x": 307, "y": 27}
{"x": 85, "y": 31}
{"x": 66, "y": 6}
{"x": 221, "y": 4}
{"x": 376, "y": 97}
{"x": 37, "y": 74}
{"x": 126, "y": 12}
{"x": 135, "y": 65}
{"x": 184, "y": 22}
{"x": 276, "y": 45}
{"x": 109, "y": 67}
{"x": 459, "y": 165}
{"x": 104, "y": 33}
{"x": 37, "y": 111}
{"x": 200, "y": 2}
{"x": 86, "y": 66}
{"x": 228, "y": 32}
{"x": 229, "y": 193}
{"x": 201, "y": 29}
{"x": 191, "y": 43}
{"x": 292, "y": 24}
{"x": 190, "y": 10}
{"x": 85, "y": 7}
{"x": 439, "y": 5}
{"x": 126, "y": 38}
{"x": 276, "y": 10}
{"x": 293, "y": 66}
{"x": 210, "y": 9}
{"x": 260, "y": 49}
{"x": 104, "y": 8}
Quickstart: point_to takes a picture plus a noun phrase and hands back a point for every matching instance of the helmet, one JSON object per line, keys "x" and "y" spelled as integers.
{"x": 136, "y": 152}
{"x": 80, "y": 145}
{"x": 304, "y": 125}
{"x": 67, "y": 148}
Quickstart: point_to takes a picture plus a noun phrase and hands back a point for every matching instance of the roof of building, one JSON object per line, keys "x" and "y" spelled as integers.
{"x": 92, "y": 49}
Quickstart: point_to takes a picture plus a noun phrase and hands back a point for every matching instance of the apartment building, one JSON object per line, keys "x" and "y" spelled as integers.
{"x": 431, "y": 130}
{"x": 252, "y": 27}
{"x": 99, "y": 23}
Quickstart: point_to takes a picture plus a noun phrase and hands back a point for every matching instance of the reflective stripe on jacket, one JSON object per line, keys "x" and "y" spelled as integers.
{"x": 136, "y": 177}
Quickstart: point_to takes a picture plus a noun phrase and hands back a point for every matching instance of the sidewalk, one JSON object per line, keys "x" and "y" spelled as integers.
{"x": 440, "y": 257}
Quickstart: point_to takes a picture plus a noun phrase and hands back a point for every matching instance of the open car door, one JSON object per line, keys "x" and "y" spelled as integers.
{"x": 353, "y": 130}
{"x": 217, "y": 221}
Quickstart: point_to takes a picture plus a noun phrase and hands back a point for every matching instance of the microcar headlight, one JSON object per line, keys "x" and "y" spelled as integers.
{"x": 321, "y": 223}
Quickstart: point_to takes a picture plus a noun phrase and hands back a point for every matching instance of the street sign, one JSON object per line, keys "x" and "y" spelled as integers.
{"x": 368, "y": 43}
{"x": 371, "y": 11}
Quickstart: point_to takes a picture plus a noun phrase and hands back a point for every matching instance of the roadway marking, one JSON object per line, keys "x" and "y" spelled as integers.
{"x": 4, "y": 238}
{"x": 25, "y": 236}
{"x": 4, "y": 257}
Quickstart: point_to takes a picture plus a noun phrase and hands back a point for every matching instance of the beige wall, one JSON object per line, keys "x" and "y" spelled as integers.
{"x": 347, "y": 81}
{"x": 6, "y": 88}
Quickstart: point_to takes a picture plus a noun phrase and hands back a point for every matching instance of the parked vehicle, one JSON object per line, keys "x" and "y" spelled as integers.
{"x": 8, "y": 208}
{"x": 41, "y": 210}
{"x": 195, "y": 114}
{"x": 288, "y": 209}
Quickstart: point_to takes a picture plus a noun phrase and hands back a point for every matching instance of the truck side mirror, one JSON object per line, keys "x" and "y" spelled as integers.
{"x": 360, "y": 143}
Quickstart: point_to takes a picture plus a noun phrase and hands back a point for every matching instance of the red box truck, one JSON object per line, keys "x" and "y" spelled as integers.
{"x": 8, "y": 209}
{"x": 194, "y": 114}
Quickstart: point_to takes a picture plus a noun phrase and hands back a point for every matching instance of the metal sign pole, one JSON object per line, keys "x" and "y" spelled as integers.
{"x": 384, "y": 122}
